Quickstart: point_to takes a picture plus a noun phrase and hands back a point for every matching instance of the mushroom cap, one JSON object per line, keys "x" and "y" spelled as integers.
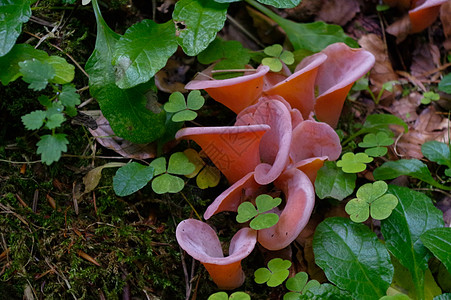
{"x": 344, "y": 65}
{"x": 235, "y": 93}
{"x": 300, "y": 200}
{"x": 423, "y": 15}
{"x": 233, "y": 149}
{"x": 200, "y": 241}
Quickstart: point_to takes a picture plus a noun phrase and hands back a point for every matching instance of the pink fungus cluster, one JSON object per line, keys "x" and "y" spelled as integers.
{"x": 275, "y": 140}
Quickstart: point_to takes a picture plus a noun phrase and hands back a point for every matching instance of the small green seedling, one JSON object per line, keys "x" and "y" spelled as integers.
{"x": 299, "y": 284}
{"x": 184, "y": 111}
{"x": 372, "y": 199}
{"x": 363, "y": 85}
{"x": 428, "y": 97}
{"x": 207, "y": 176}
{"x": 234, "y": 296}
{"x": 275, "y": 274}
{"x": 376, "y": 144}
{"x": 277, "y": 56}
{"x": 131, "y": 178}
{"x": 262, "y": 220}
{"x": 165, "y": 181}
{"x": 354, "y": 163}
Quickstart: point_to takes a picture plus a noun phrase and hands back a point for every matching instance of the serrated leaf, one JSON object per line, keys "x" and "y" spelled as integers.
{"x": 179, "y": 164}
{"x": 410, "y": 167}
{"x": 246, "y": 211}
{"x": 126, "y": 110}
{"x": 69, "y": 96}
{"x": 437, "y": 152}
{"x": 55, "y": 120}
{"x": 201, "y": 20}
{"x": 159, "y": 165}
{"x": 184, "y": 115}
{"x": 332, "y": 182}
{"x": 445, "y": 84}
{"x": 175, "y": 103}
{"x": 195, "y": 100}
{"x": 142, "y": 51}
{"x": 34, "y": 120}
{"x": 438, "y": 241}
{"x": 414, "y": 215}
{"x": 51, "y": 146}
{"x": 263, "y": 221}
{"x": 167, "y": 183}
{"x": 13, "y": 14}
{"x": 353, "y": 258}
{"x": 131, "y": 178}
{"x": 36, "y": 73}
{"x": 354, "y": 163}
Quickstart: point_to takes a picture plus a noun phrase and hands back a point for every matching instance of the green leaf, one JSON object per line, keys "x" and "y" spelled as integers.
{"x": 354, "y": 163}
{"x": 159, "y": 164}
{"x": 446, "y": 296}
{"x": 13, "y": 13}
{"x": 414, "y": 215}
{"x": 276, "y": 273}
{"x": 376, "y": 143}
{"x": 36, "y": 73}
{"x": 69, "y": 96}
{"x": 142, "y": 51}
{"x": 353, "y": 258}
{"x": 179, "y": 164}
{"x": 281, "y": 3}
{"x": 246, "y": 211}
{"x": 311, "y": 36}
{"x": 55, "y": 120}
{"x": 131, "y": 178}
{"x": 266, "y": 202}
{"x": 287, "y": 57}
{"x": 64, "y": 72}
{"x": 445, "y": 84}
{"x": 51, "y": 146}
{"x": 448, "y": 172}
{"x": 167, "y": 183}
{"x": 219, "y": 296}
{"x": 382, "y": 207}
{"x": 438, "y": 241}
{"x": 263, "y": 221}
{"x": 239, "y": 296}
{"x": 126, "y": 110}
{"x": 358, "y": 210}
{"x": 273, "y": 63}
{"x": 299, "y": 284}
{"x": 437, "y": 152}
{"x": 184, "y": 115}
{"x": 199, "y": 21}
{"x": 195, "y": 100}
{"x": 34, "y": 120}
{"x": 273, "y": 50}
{"x": 208, "y": 177}
{"x": 176, "y": 103}
{"x": 410, "y": 167}
{"x": 396, "y": 297}
{"x": 332, "y": 182}
{"x": 325, "y": 291}
{"x": 375, "y": 122}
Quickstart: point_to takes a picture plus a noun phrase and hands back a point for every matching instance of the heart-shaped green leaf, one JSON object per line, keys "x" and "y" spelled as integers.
{"x": 167, "y": 183}
{"x": 371, "y": 191}
{"x": 287, "y": 57}
{"x": 275, "y": 274}
{"x": 266, "y": 202}
{"x": 262, "y": 275}
{"x": 176, "y": 103}
{"x": 273, "y": 63}
{"x": 358, "y": 210}
{"x": 208, "y": 177}
{"x": 264, "y": 221}
{"x": 298, "y": 282}
{"x": 159, "y": 164}
{"x": 184, "y": 115}
{"x": 273, "y": 50}
{"x": 382, "y": 207}
{"x": 332, "y": 182}
{"x": 131, "y": 178}
{"x": 179, "y": 164}
{"x": 195, "y": 100}
{"x": 354, "y": 163}
{"x": 246, "y": 211}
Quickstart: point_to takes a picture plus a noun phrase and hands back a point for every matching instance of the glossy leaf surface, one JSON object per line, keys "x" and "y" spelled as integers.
{"x": 332, "y": 182}
{"x": 131, "y": 178}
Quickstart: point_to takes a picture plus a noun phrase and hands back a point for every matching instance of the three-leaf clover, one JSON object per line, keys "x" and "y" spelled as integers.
{"x": 234, "y": 296}
{"x": 372, "y": 199}
{"x": 207, "y": 176}
{"x": 277, "y": 56}
{"x": 299, "y": 284}
{"x": 275, "y": 274}
{"x": 184, "y": 111}
{"x": 376, "y": 143}
{"x": 247, "y": 211}
{"x": 164, "y": 181}
{"x": 354, "y": 163}
{"x": 428, "y": 97}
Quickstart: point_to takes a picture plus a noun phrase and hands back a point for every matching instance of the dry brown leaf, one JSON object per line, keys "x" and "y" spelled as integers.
{"x": 338, "y": 12}
{"x": 406, "y": 107}
{"x": 382, "y": 70}
{"x": 445, "y": 17}
{"x": 106, "y": 137}
{"x": 305, "y": 11}
{"x": 91, "y": 180}
{"x": 425, "y": 57}
{"x": 400, "y": 28}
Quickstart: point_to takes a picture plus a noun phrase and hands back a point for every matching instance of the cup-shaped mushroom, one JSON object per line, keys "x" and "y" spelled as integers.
{"x": 233, "y": 149}
{"x": 200, "y": 241}
{"x": 344, "y": 65}
{"x": 275, "y": 143}
{"x": 300, "y": 200}
{"x": 299, "y": 88}
{"x": 424, "y": 14}
{"x": 235, "y": 93}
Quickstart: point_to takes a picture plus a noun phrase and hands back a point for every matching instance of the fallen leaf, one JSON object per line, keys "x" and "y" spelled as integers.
{"x": 338, "y": 12}
{"x": 425, "y": 57}
{"x": 406, "y": 107}
{"x": 445, "y": 17}
{"x": 91, "y": 180}
{"x": 87, "y": 257}
{"x": 400, "y": 28}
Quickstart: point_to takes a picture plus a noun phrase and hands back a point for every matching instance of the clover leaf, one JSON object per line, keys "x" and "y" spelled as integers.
{"x": 377, "y": 143}
{"x": 234, "y": 296}
{"x": 262, "y": 220}
{"x": 165, "y": 182}
{"x": 276, "y": 57}
{"x": 184, "y": 111}
{"x": 299, "y": 284}
{"x": 275, "y": 274}
{"x": 207, "y": 176}
{"x": 372, "y": 199}
{"x": 354, "y": 163}
{"x": 428, "y": 97}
